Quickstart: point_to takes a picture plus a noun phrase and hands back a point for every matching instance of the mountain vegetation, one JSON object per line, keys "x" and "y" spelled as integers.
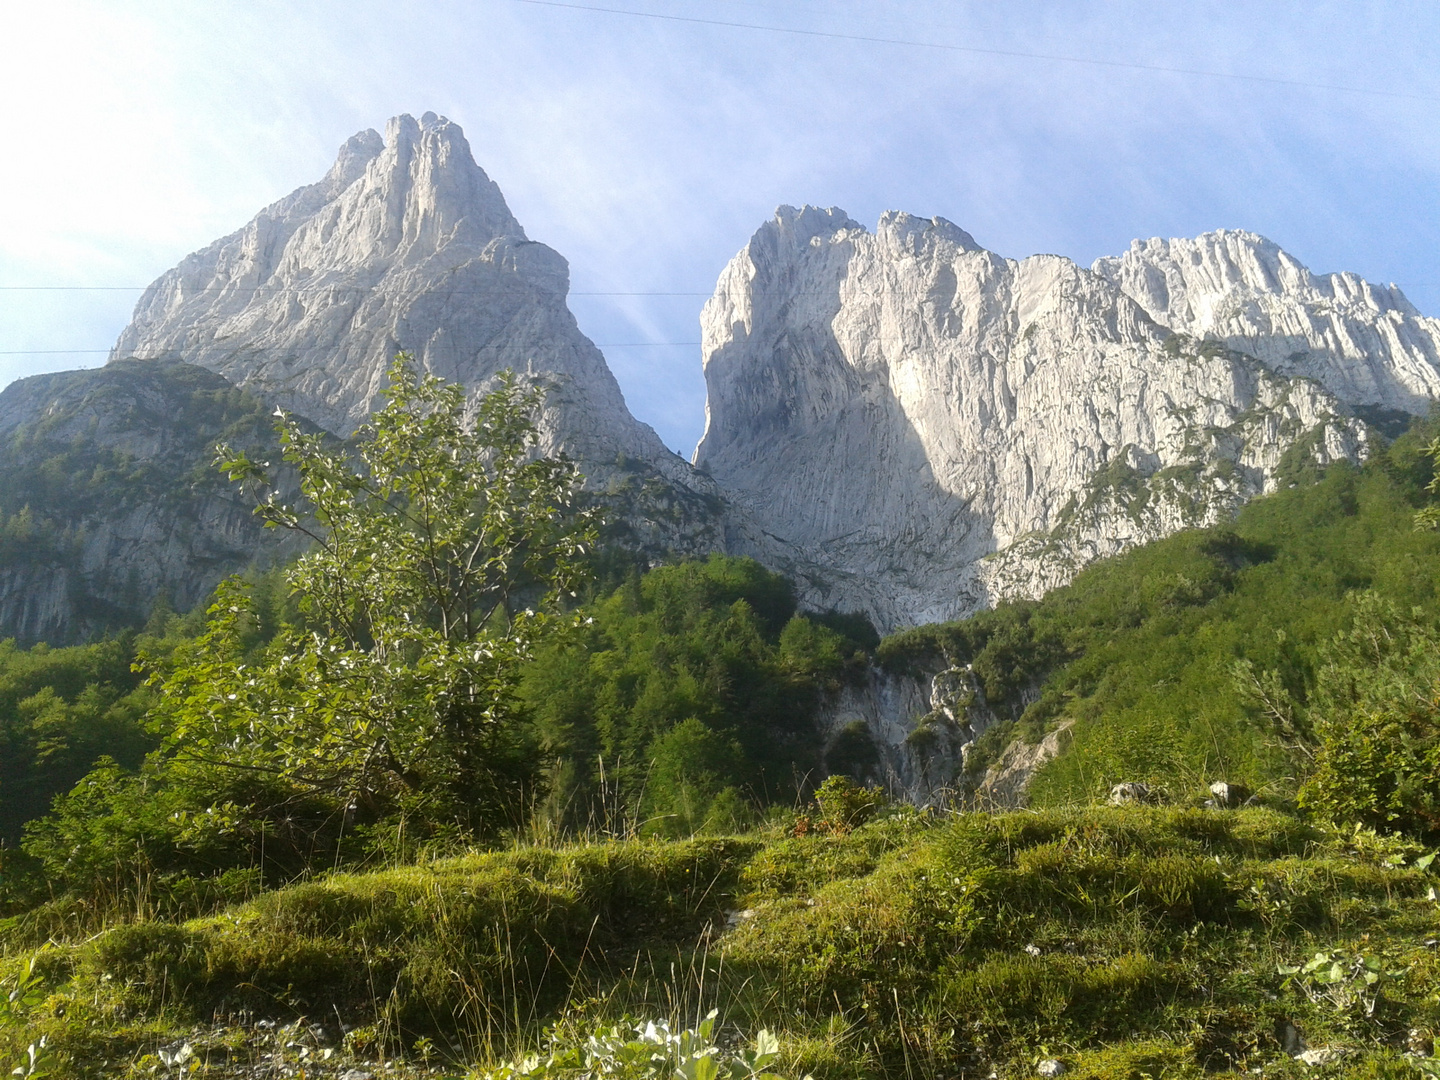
{"x": 1216, "y": 654}
{"x": 109, "y": 502}
{"x": 432, "y": 796}
{"x": 688, "y": 700}
{"x": 1119, "y": 942}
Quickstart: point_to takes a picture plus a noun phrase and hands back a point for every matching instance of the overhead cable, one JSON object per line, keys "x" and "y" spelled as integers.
{"x": 290, "y": 288}
{"x": 597, "y": 344}
{"x": 836, "y": 35}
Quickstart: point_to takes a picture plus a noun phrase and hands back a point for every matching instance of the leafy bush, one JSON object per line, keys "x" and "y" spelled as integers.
{"x": 845, "y": 805}
{"x": 1376, "y": 716}
{"x": 383, "y": 718}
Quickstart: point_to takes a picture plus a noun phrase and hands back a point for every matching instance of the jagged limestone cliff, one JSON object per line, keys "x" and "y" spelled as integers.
{"x": 908, "y": 424}
{"x": 1365, "y": 343}
{"x": 920, "y": 427}
{"x": 407, "y": 244}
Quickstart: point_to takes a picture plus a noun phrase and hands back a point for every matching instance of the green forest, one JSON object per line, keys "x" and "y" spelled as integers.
{"x": 459, "y": 792}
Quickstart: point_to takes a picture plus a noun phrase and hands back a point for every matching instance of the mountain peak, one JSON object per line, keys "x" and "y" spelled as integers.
{"x": 359, "y": 150}
{"x": 1363, "y": 341}
{"x": 906, "y": 232}
{"x": 406, "y": 244}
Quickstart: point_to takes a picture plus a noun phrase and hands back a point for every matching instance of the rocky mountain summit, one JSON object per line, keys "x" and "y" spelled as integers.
{"x": 910, "y": 425}
{"x": 1364, "y": 343}
{"x": 921, "y": 428}
{"x": 406, "y": 244}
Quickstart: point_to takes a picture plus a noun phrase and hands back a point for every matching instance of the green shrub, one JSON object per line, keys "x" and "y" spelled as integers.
{"x": 845, "y": 805}
{"x": 1377, "y": 720}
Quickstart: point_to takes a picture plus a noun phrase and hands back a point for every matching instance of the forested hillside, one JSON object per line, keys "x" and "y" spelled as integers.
{"x": 436, "y": 784}
{"x": 109, "y": 500}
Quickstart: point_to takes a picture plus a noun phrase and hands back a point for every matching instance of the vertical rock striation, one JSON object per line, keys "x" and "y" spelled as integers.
{"x": 407, "y": 244}
{"x": 1364, "y": 343}
{"x": 919, "y": 427}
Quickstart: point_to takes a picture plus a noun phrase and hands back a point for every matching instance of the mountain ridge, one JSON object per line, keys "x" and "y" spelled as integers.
{"x": 921, "y": 428}
{"x": 109, "y": 501}
{"x": 908, "y": 424}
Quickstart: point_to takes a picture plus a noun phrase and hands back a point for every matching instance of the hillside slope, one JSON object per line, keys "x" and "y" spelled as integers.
{"x": 1123, "y": 943}
{"x": 109, "y": 499}
{"x": 922, "y": 428}
{"x": 1135, "y": 658}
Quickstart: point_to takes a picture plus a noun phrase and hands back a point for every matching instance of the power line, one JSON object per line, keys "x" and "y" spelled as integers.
{"x": 290, "y": 288}
{"x": 597, "y": 344}
{"x": 976, "y": 50}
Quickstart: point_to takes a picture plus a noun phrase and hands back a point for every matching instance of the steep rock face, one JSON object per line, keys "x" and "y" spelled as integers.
{"x": 919, "y": 427}
{"x": 407, "y": 244}
{"x": 1364, "y": 343}
{"x": 108, "y": 498}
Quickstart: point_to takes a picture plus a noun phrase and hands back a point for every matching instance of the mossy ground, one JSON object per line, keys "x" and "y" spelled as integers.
{"x": 1126, "y": 942}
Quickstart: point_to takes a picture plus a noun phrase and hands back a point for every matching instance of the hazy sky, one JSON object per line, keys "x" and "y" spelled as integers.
{"x": 647, "y": 150}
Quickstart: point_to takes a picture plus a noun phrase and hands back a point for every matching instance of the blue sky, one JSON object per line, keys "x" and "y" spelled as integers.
{"x": 647, "y": 150}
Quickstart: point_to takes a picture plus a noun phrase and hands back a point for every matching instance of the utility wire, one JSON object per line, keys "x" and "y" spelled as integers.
{"x": 454, "y": 292}
{"x": 289, "y": 288}
{"x": 835, "y": 35}
{"x": 598, "y": 345}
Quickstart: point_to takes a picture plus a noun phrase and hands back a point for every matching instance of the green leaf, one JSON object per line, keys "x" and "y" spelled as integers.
{"x": 767, "y": 1048}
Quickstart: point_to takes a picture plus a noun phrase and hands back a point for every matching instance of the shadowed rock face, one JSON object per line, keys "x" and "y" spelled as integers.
{"x": 919, "y": 427}
{"x": 108, "y": 498}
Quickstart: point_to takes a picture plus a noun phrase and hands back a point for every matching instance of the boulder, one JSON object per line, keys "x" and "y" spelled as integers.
{"x": 1132, "y": 792}
{"x": 1227, "y": 796}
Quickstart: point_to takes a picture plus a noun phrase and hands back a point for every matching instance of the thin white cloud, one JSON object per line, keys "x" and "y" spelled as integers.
{"x": 648, "y": 151}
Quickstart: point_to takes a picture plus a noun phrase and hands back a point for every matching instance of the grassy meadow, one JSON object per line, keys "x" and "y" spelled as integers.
{"x": 346, "y": 825}
{"x": 1124, "y": 942}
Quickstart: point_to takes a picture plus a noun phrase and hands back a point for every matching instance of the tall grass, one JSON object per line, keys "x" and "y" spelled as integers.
{"x": 1120, "y": 940}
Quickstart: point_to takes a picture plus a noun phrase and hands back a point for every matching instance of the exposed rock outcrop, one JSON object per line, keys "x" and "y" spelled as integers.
{"x": 919, "y": 427}
{"x": 407, "y": 244}
{"x": 1007, "y": 781}
{"x": 108, "y": 498}
{"x": 1364, "y": 343}
{"x": 906, "y": 423}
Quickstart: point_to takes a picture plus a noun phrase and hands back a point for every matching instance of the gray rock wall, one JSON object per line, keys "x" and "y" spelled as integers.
{"x": 108, "y": 497}
{"x": 407, "y": 244}
{"x": 919, "y": 428}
